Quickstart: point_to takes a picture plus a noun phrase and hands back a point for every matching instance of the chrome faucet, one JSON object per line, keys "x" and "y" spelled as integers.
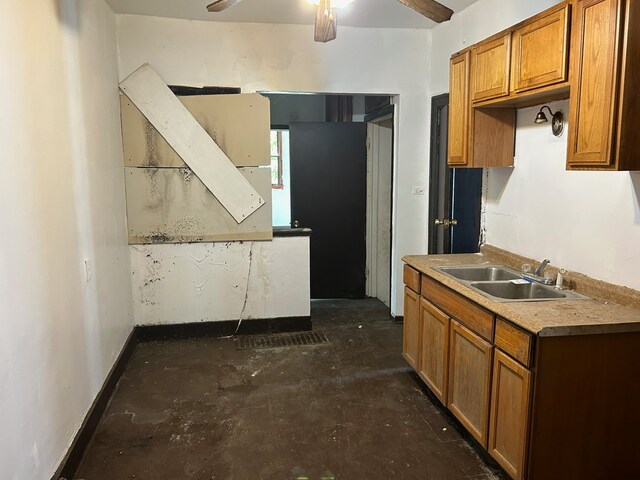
{"x": 537, "y": 275}
{"x": 541, "y": 267}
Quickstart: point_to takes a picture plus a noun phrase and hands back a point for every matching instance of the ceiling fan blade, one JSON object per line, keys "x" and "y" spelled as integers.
{"x": 326, "y": 22}
{"x": 220, "y": 5}
{"x": 430, "y": 9}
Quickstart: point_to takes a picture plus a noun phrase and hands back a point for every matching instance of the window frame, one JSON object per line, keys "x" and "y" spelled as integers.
{"x": 280, "y": 184}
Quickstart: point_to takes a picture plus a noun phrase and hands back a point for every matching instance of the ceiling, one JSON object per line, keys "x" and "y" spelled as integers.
{"x": 361, "y": 13}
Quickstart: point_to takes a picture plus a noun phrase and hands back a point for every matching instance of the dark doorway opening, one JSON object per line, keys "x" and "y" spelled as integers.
{"x": 329, "y": 195}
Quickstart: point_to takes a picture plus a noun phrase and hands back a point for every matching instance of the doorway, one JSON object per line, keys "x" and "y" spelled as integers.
{"x": 328, "y": 195}
{"x": 380, "y": 128}
{"x": 455, "y": 194}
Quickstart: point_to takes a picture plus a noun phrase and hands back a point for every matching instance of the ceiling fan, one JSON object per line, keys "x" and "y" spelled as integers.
{"x": 326, "y": 28}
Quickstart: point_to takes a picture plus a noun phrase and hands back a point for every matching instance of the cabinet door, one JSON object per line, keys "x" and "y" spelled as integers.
{"x": 508, "y": 431}
{"x": 539, "y": 52}
{"x": 469, "y": 380}
{"x": 411, "y": 326}
{"x": 434, "y": 356}
{"x": 490, "y": 63}
{"x": 592, "y": 107}
{"x": 459, "y": 110}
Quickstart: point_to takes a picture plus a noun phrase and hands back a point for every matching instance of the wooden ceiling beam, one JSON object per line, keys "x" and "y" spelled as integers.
{"x": 430, "y": 9}
{"x": 220, "y": 5}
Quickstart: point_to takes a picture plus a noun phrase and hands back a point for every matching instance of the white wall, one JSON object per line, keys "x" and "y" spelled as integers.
{"x": 61, "y": 201}
{"x": 583, "y": 221}
{"x": 260, "y": 57}
{"x": 208, "y": 282}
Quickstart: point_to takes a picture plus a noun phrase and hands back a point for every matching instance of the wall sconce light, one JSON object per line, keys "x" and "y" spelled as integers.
{"x": 557, "y": 120}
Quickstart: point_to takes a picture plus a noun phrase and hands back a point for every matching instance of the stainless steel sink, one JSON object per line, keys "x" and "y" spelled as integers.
{"x": 483, "y": 273}
{"x": 504, "y": 284}
{"x": 522, "y": 290}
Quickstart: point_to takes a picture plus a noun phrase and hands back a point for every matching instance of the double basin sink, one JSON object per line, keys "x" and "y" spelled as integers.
{"x": 503, "y": 284}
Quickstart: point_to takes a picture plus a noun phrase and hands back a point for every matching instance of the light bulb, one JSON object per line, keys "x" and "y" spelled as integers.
{"x": 334, "y": 3}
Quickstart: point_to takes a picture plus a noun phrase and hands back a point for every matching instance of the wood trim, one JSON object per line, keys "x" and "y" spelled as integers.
{"x": 514, "y": 341}
{"x": 411, "y": 278}
{"x": 529, "y": 98}
{"x": 519, "y": 404}
{"x": 465, "y": 311}
{"x": 80, "y": 443}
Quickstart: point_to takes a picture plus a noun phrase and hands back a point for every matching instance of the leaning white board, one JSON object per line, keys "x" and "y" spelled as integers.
{"x": 187, "y": 137}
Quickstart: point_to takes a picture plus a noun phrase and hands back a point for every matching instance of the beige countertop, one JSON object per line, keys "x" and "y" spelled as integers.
{"x": 544, "y": 318}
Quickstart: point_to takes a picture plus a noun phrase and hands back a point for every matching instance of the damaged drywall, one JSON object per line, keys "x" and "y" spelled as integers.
{"x": 172, "y": 205}
{"x": 204, "y": 282}
{"x": 187, "y": 137}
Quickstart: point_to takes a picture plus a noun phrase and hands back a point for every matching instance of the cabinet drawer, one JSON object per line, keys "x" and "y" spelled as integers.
{"x": 466, "y": 312}
{"x": 411, "y": 278}
{"x": 514, "y": 341}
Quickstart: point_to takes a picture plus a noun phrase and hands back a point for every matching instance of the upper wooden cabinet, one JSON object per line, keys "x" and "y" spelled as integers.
{"x": 459, "y": 110}
{"x": 539, "y": 51}
{"x": 490, "y": 62}
{"x": 604, "y": 108}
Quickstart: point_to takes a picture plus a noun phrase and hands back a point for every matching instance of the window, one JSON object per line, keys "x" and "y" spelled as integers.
{"x": 276, "y": 159}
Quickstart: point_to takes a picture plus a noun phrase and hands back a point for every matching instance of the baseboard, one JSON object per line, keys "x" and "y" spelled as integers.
{"x": 72, "y": 459}
{"x": 398, "y": 318}
{"x": 148, "y": 333}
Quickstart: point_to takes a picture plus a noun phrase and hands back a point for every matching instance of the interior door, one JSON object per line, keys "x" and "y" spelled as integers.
{"x": 328, "y": 195}
{"x": 455, "y": 194}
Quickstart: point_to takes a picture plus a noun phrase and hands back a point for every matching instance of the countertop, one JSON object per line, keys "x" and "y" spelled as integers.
{"x": 545, "y": 318}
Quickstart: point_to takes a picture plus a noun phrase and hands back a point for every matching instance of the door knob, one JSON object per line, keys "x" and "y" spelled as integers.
{"x": 445, "y": 222}
{"x": 296, "y": 224}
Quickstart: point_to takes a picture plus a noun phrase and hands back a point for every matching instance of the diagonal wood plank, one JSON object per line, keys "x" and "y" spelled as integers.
{"x": 430, "y": 9}
{"x": 169, "y": 116}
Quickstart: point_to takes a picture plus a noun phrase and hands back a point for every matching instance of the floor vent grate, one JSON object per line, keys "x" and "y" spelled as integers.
{"x": 254, "y": 342}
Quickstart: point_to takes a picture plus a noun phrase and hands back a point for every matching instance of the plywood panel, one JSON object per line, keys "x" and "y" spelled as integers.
{"x": 172, "y": 205}
{"x": 178, "y": 127}
{"x": 239, "y": 124}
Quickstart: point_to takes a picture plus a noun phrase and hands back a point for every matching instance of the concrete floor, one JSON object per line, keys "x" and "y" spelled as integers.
{"x": 350, "y": 409}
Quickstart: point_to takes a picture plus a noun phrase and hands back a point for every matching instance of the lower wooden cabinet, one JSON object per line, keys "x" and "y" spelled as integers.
{"x": 434, "y": 358}
{"x": 508, "y": 430}
{"x": 470, "y": 361}
{"x": 411, "y": 334}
